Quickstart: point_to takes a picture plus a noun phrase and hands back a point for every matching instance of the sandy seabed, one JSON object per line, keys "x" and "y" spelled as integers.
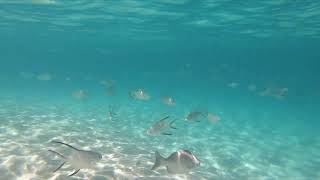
{"x": 227, "y": 150}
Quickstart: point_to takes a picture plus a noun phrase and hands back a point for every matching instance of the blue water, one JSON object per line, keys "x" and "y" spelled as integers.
{"x": 254, "y": 64}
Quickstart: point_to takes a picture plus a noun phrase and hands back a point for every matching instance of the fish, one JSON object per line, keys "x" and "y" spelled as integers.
{"x": 161, "y": 127}
{"x": 110, "y": 91}
{"x": 252, "y": 87}
{"x": 278, "y": 93}
{"x": 26, "y": 75}
{"x": 44, "y": 77}
{"x": 233, "y": 85}
{"x": 79, "y": 159}
{"x": 195, "y": 116}
{"x": 107, "y": 83}
{"x": 187, "y": 66}
{"x": 140, "y": 95}
{"x": 169, "y": 101}
{"x": 180, "y": 162}
{"x": 88, "y": 78}
{"x": 43, "y": 1}
{"x": 80, "y": 94}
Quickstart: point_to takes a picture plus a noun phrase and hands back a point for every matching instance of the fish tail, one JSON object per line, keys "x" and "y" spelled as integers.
{"x": 159, "y": 161}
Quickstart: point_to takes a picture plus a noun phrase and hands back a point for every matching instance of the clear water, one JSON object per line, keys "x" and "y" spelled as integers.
{"x": 207, "y": 54}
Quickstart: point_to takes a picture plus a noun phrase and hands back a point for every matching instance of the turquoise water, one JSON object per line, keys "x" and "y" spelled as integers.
{"x": 253, "y": 64}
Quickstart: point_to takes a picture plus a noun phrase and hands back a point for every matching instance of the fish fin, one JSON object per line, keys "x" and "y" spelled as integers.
{"x": 66, "y": 145}
{"x": 159, "y": 161}
{"x": 74, "y": 173}
{"x": 171, "y": 124}
{"x": 167, "y": 134}
{"x": 164, "y": 118}
{"x": 60, "y": 155}
{"x": 59, "y": 167}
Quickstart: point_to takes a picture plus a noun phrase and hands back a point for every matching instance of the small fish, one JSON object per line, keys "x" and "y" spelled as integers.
{"x": 252, "y": 87}
{"x": 140, "y": 94}
{"x": 179, "y": 162}
{"x": 88, "y": 78}
{"x": 110, "y": 91}
{"x": 44, "y": 77}
{"x": 213, "y": 118}
{"x": 195, "y": 116}
{"x": 44, "y": 2}
{"x": 107, "y": 83}
{"x": 233, "y": 85}
{"x": 278, "y": 93}
{"x": 161, "y": 127}
{"x": 80, "y": 94}
{"x": 79, "y": 159}
{"x": 265, "y": 92}
{"x": 26, "y": 75}
{"x": 169, "y": 101}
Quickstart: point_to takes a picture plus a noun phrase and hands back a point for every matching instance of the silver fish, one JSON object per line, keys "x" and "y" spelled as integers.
{"x": 79, "y": 159}
{"x": 140, "y": 95}
{"x": 233, "y": 84}
{"x": 278, "y": 93}
{"x": 195, "y": 116}
{"x": 107, "y": 83}
{"x": 179, "y": 162}
{"x": 169, "y": 101}
{"x": 80, "y": 94}
{"x": 44, "y": 77}
{"x": 161, "y": 127}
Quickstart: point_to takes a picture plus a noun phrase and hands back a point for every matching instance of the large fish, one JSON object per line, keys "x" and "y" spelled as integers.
{"x": 161, "y": 127}
{"x": 179, "y": 162}
{"x": 79, "y": 159}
